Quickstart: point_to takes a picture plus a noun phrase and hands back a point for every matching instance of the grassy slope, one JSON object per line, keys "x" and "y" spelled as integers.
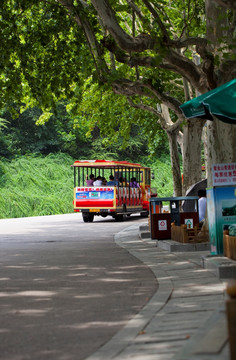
{"x": 36, "y": 186}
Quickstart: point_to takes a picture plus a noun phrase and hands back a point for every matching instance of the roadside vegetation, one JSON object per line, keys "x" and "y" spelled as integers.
{"x": 123, "y": 63}
{"x": 35, "y": 174}
{"x": 37, "y": 185}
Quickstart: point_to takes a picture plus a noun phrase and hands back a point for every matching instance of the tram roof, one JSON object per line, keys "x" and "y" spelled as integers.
{"x": 105, "y": 164}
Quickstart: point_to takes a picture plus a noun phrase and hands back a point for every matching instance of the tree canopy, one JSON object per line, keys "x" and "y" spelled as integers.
{"x": 49, "y": 47}
{"x": 156, "y": 53}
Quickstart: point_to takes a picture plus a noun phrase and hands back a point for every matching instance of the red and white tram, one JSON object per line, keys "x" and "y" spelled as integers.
{"x": 124, "y": 197}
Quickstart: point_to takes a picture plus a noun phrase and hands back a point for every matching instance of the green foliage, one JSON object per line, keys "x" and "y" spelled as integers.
{"x": 3, "y": 124}
{"x": 186, "y": 15}
{"x": 22, "y": 135}
{"x": 45, "y": 56}
{"x": 38, "y": 36}
{"x": 105, "y": 128}
{"x": 163, "y": 180}
{"x": 118, "y": 125}
{"x": 36, "y": 186}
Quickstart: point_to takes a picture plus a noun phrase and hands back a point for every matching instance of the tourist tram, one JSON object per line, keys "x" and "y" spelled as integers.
{"x": 119, "y": 197}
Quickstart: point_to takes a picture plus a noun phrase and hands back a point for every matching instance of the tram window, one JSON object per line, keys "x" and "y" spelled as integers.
{"x": 78, "y": 173}
{"x": 147, "y": 176}
{"x": 140, "y": 176}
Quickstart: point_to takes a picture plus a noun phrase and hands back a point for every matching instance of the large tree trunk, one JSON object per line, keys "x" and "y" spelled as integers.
{"x": 174, "y": 154}
{"x": 192, "y": 171}
{"x": 221, "y": 137}
{"x": 221, "y": 145}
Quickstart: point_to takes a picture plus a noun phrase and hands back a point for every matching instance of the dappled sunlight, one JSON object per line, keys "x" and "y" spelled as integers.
{"x": 89, "y": 296}
{"x": 29, "y": 312}
{"x": 44, "y": 293}
{"x": 31, "y": 293}
{"x": 16, "y": 267}
{"x": 121, "y": 280}
{"x": 190, "y": 274}
{"x": 39, "y": 279}
{"x": 201, "y": 289}
{"x": 86, "y": 267}
{"x": 118, "y": 272}
{"x": 74, "y": 275}
{"x": 93, "y": 324}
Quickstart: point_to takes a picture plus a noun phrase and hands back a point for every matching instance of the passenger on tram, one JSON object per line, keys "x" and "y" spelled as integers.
{"x": 104, "y": 181}
{"x": 123, "y": 181}
{"x": 98, "y": 181}
{"x": 112, "y": 181}
{"x": 134, "y": 183}
{"x": 90, "y": 181}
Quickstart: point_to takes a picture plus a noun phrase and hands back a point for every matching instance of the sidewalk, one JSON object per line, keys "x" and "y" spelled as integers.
{"x": 184, "y": 320}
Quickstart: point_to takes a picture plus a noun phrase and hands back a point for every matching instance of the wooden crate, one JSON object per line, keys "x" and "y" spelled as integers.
{"x": 179, "y": 233}
{"x": 229, "y": 246}
{"x": 184, "y": 235}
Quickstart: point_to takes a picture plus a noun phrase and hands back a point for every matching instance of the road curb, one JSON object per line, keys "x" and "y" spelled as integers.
{"x": 223, "y": 267}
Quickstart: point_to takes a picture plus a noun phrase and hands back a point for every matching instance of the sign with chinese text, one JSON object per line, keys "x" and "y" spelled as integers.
{"x": 224, "y": 174}
{"x": 94, "y": 193}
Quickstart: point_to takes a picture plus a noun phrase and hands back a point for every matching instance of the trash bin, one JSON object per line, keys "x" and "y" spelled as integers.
{"x": 161, "y": 220}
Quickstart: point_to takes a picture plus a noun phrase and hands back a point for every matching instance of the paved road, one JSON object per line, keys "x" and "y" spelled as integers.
{"x": 65, "y": 287}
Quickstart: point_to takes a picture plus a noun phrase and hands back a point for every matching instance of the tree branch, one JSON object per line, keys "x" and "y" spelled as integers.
{"x": 167, "y": 126}
{"x": 182, "y": 65}
{"x": 158, "y": 19}
{"x": 208, "y": 66}
{"x": 190, "y": 41}
{"x": 171, "y": 60}
{"x": 229, "y": 4}
{"x": 169, "y": 101}
{"x": 130, "y": 88}
{"x": 138, "y": 12}
{"x": 78, "y": 14}
{"x": 126, "y": 42}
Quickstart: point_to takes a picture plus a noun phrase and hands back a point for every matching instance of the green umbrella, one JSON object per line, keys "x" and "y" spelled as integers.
{"x": 220, "y": 102}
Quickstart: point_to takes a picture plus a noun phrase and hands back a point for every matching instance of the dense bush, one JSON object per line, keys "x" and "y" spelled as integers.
{"x": 163, "y": 180}
{"x": 36, "y": 185}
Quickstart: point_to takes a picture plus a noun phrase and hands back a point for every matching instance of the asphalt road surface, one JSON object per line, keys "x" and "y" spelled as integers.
{"x": 65, "y": 287}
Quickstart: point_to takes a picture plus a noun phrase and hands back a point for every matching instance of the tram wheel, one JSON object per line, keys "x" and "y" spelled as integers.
{"x": 88, "y": 217}
{"x": 119, "y": 217}
{"x": 91, "y": 217}
{"x": 144, "y": 213}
